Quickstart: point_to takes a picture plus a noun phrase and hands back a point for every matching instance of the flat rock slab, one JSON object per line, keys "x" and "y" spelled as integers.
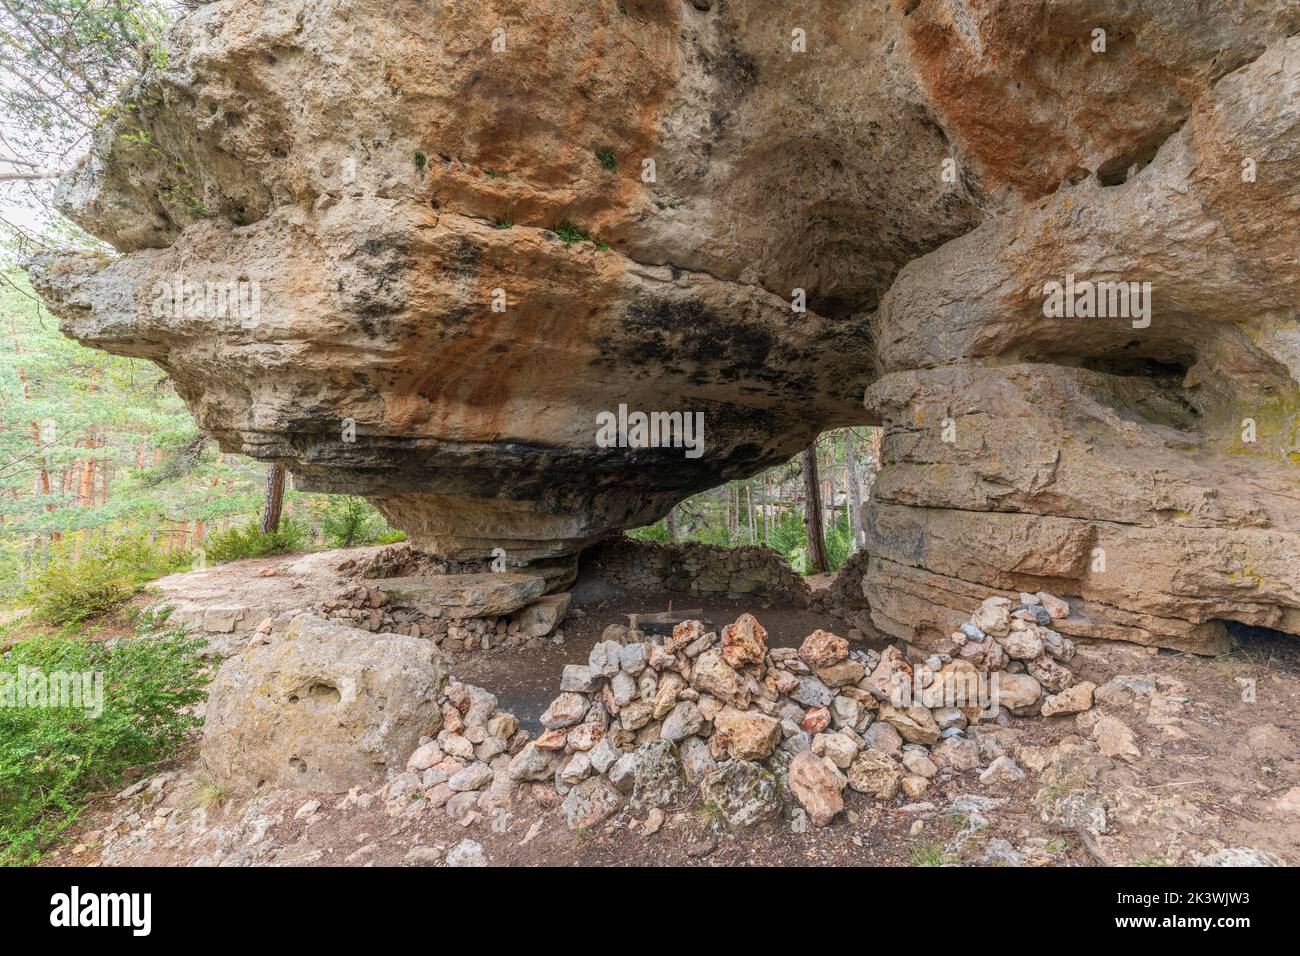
{"x": 544, "y": 615}
{"x": 463, "y": 595}
{"x": 226, "y": 602}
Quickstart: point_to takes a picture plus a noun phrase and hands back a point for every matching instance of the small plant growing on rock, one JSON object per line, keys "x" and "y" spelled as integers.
{"x": 421, "y": 161}
{"x": 505, "y": 222}
{"x": 569, "y": 233}
{"x": 607, "y": 159}
{"x": 208, "y": 795}
{"x": 709, "y": 813}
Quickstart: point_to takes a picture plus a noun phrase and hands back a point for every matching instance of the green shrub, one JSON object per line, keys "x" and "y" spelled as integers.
{"x": 249, "y": 541}
{"x": 569, "y": 233}
{"x": 607, "y": 159}
{"x": 350, "y": 521}
{"x": 788, "y": 535}
{"x": 53, "y": 758}
{"x": 839, "y": 543}
{"x": 71, "y": 588}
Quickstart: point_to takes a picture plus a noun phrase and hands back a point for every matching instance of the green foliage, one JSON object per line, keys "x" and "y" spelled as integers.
{"x": 53, "y": 758}
{"x": 78, "y": 583}
{"x": 788, "y": 534}
{"x": 607, "y": 159}
{"x": 569, "y": 233}
{"x": 931, "y": 854}
{"x": 421, "y": 161}
{"x": 651, "y": 532}
{"x": 350, "y": 521}
{"x": 505, "y": 222}
{"x": 182, "y": 194}
{"x": 839, "y": 542}
{"x": 250, "y": 541}
{"x": 64, "y": 64}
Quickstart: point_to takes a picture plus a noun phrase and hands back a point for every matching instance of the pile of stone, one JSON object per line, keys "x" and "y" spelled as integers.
{"x": 1016, "y": 642}
{"x": 465, "y": 768}
{"x": 756, "y": 728}
{"x": 700, "y": 569}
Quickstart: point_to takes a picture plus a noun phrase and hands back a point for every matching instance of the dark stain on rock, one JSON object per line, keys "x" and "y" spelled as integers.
{"x": 709, "y": 348}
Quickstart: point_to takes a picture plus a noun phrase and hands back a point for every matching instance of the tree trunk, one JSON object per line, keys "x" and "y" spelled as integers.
{"x": 855, "y": 490}
{"x": 86, "y": 481}
{"x": 733, "y": 514}
{"x": 812, "y": 512}
{"x": 670, "y": 525}
{"x": 828, "y": 502}
{"x": 749, "y": 508}
{"x": 274, "y": 499}
{"x": 767, "y": 509}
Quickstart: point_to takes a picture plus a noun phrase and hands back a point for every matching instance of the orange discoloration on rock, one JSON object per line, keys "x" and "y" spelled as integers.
{"x": 520, "y": 138}
{"x": 1028, "y": 102}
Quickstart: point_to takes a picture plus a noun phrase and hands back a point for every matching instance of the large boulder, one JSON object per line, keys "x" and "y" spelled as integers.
{"x": 325, "y": 707}
{"x": 817, "y": 784}
{"x": 657, "y": 776}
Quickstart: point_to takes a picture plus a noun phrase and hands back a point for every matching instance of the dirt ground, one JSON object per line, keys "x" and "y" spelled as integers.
{"x": 1215, "y": 766}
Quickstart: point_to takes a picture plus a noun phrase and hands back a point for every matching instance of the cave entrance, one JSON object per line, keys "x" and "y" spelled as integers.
{"x": 772, "y": 508}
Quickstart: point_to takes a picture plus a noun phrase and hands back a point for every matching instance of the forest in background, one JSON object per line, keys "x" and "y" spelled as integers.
{"x": 97, "y": 450}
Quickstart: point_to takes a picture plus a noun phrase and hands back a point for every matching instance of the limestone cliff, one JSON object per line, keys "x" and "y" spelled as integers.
{"x": 386, "y": 174}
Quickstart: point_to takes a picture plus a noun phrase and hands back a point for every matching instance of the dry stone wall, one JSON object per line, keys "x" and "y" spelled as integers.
{"x": 697, "y": 569}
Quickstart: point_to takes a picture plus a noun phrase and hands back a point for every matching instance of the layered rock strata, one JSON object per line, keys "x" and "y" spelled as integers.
{"x": 1143, "y": 462}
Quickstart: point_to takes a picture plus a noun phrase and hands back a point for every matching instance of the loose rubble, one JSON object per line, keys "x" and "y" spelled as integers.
{"x": 762, "y": 731}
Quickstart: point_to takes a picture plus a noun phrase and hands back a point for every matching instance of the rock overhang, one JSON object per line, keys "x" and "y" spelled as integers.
{"x": 952, "y": 157}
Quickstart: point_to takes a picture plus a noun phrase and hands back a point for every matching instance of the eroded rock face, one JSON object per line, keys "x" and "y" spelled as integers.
{"x": 919, "y": 169}
{"x": 323, "y": 707}
{"x": 1143, "y": 463}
